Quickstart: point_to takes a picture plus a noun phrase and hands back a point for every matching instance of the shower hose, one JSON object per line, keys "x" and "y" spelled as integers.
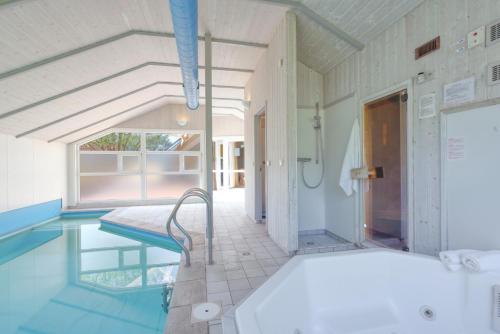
{"x": 320, "y": 140}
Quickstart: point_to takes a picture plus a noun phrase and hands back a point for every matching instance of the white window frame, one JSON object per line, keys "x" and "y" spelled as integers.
{"x": 142, "y": 155}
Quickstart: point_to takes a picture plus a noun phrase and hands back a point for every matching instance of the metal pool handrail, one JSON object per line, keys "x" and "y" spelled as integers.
{"x": 200, "y": 193}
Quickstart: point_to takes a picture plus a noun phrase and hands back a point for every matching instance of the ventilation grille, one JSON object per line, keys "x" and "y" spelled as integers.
{"x": 493, "y": 33}
{"x": 427, "y": 48}
{"x": 496, "y": 308}
{"x": 494, "y": 74}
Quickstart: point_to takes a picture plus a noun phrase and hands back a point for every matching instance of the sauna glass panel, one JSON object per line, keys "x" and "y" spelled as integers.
{"x": 384, "y": 148}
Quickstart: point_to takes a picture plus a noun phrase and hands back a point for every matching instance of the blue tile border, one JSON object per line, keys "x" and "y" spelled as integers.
{"x": 150, "y": 237}
{"x": 18, "y": 219}
{"x": 84, "y": 214}
{"x": 23, "y": 242}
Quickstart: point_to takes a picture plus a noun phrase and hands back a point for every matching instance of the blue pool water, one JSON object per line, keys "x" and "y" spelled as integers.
{"x": 76, "y": 275}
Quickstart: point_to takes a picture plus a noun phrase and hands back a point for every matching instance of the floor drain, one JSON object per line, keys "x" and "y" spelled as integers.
{"x": 205, "y": 312}
{"x": 427, "y": 313}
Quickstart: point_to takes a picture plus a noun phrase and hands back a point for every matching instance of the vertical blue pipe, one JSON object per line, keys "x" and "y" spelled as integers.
{"x": 185, "y": 20}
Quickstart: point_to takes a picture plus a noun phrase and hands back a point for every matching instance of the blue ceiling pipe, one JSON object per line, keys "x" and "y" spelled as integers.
{"x": 185, "y": 20}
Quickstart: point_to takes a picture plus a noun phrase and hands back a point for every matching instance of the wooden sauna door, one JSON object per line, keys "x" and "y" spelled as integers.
{"x": 385, "y": 200}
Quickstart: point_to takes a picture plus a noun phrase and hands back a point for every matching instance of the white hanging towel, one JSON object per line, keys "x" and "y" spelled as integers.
{"x": 352, "y": 159}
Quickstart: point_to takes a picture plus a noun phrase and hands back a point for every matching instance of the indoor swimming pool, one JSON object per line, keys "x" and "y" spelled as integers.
{"x": 78, "y": 275}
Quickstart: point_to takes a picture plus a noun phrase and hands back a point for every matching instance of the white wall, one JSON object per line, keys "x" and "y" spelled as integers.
{"x": 166, "y": 117}
{"x": 31, "y": 172}
{"x": 227, "y": 126}
{"x": 274, "y": 82}
{"x": 389, "y": 60}
{"x": 311, "y": 202}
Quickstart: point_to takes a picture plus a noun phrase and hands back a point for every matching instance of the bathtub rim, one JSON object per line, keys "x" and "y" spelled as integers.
{"x": 245, "y": 313}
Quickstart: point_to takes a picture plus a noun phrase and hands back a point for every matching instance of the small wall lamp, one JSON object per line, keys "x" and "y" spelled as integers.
{"x": 182, "y": 122}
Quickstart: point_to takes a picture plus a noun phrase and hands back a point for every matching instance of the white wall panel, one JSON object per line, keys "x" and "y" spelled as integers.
{"x": 165, "y": 117}
{"x": 31, "y": 172}
{"x": 274, "y": 82}
{"x": 50, "y": 170}
{"x": 389, "y": 60}
{"x": 21, "y": 190}
{"x": 227, "y": 126}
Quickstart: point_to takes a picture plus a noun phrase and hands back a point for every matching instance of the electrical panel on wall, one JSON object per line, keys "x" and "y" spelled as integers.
{"x": 475, "y": 37}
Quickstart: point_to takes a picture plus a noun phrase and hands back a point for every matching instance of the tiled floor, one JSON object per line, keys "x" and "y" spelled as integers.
{"x": 244, "y": 257}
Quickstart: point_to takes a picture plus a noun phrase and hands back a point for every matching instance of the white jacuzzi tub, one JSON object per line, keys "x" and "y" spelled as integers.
{"x": 369, "y": 292}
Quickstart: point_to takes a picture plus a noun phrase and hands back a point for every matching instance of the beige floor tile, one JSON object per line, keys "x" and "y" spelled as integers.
{"x": 239, "y": 284}
{"x": 189, "y": 292}
{"x": 255, "y": 282}
{"x": 224, "y": 298}
{"x": 235, "y": 274}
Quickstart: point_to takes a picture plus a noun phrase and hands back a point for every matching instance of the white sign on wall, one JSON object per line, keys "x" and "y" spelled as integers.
{"x": 427, "y": 106}
{"x": 456, "y": 148}
{"x": 460, "y": 92}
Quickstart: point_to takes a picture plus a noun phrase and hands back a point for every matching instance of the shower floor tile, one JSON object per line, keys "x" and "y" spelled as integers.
{"x": 319, "y": 243}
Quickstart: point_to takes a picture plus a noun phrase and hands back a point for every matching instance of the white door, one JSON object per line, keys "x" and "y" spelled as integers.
{"x": 471, "y": 161}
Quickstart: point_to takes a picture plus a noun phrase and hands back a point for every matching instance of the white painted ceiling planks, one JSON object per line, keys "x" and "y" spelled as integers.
{"x": 34, "y": 30}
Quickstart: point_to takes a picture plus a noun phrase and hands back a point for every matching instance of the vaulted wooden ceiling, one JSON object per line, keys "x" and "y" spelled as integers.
{"x": 65, "y": 64}
{"x": 79, "y": 66}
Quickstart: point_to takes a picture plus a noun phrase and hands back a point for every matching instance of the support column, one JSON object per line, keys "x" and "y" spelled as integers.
{"x": 208, "y": 112}
{"x": 208, "y": 136}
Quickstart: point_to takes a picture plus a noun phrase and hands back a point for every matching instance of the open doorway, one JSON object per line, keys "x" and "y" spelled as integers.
{"x": 261, "y": 166}
{"x": 385, "y": 154}
{"x": 229, "y": 163}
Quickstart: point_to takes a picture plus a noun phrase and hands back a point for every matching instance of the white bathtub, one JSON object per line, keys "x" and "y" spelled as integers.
{"x": 369, "y": 292}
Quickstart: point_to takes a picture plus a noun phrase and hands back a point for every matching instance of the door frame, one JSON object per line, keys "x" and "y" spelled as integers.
{"x": 257, "y": 155}
{"x": 408, "y": 85}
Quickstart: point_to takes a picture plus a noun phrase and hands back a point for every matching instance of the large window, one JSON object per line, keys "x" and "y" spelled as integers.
{"x": 139, "y": 166}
